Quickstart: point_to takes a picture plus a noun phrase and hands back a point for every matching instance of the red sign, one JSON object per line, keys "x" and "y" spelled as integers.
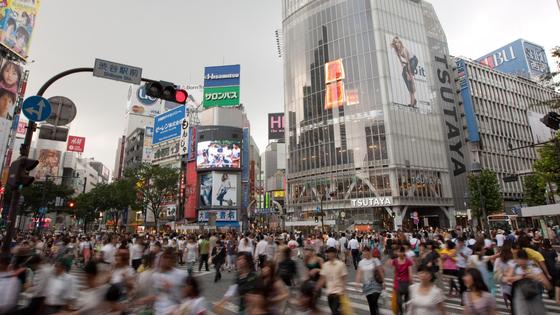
{"x": 76, "y": 144}
{"x": 21, "y": 129}
{"x": 191, "y": 191}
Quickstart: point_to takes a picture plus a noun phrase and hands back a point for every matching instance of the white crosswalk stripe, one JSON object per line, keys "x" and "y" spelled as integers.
{"x": 358, "y": 301}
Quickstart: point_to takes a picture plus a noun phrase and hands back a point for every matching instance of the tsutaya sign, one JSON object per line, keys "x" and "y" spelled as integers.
{"x": 372, "y": 202}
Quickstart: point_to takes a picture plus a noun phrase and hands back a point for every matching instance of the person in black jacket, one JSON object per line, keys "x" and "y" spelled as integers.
{"x": 287, "y": 269}
{"x": 218, "y": 259}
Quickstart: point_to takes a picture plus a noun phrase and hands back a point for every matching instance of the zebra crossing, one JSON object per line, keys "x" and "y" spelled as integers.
{"x": 357, "y": 300}
{"x": 360, "y": 306}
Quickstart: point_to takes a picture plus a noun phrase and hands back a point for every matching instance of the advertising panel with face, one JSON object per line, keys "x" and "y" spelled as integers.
{"x": 206, "y": 189}
{"x": 225, "y": 189}
{"x": 218, "y": 154}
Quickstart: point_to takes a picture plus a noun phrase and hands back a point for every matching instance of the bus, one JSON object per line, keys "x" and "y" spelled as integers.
{"x": 503, "y": 221}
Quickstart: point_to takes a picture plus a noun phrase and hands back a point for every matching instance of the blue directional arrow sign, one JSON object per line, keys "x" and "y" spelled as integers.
{"x": 36, "y": 108}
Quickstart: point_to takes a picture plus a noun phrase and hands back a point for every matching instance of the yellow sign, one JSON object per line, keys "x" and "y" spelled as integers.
{"x": 279, "y": 194}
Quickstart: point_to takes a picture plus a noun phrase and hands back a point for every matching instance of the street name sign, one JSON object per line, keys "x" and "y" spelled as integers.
{"x": 116, "y": 71}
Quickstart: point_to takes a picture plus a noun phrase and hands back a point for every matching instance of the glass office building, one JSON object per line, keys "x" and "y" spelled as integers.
{"x": 373, "y": 129}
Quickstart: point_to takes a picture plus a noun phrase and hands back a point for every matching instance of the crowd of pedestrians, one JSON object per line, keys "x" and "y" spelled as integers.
{"x": 279, "y": 273}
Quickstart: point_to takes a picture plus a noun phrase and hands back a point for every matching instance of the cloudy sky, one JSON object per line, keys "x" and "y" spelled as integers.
{"x": 173, "y": 40}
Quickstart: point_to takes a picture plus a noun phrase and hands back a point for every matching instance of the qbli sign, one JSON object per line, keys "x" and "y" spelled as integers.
{"x": 167, "y": 126}
{"x": 275, "y": 126}
{"x": 75, "y": 144}
{"x": 221, "y": 86}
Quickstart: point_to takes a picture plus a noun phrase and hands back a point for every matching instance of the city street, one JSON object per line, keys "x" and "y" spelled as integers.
{"x": 213, "y": 292}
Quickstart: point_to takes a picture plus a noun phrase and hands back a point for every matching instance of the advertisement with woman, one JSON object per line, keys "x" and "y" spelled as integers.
{"x": 225, "y": 190}
{"x": 49, "y": 163}
{"x": 17, "y": 20}
{"x": 407, "y": 66}
{"x": 206, "y": 189}
{"x": 10, "y": 77}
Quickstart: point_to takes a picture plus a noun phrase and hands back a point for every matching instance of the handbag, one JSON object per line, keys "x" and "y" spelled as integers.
{"x": 529, "y": 288}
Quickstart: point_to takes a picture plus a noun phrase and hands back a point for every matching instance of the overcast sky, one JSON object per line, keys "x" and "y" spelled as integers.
{"x": 173, "y": 40}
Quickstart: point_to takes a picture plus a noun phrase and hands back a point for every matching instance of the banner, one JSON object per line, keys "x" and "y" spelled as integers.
{"x": 224, "y": 189}
{"x": 221, "y": 215}
{"x": 275, "y": 126}
{"x": 221, "y": 96}
{"x": 409, "y": 75}
{"x": 17, "y": 24}
{"x": 49, "y": 163}
{"x": 167, "y": 126}
{"x": 222, "y": 75}
{"x": 76, "y": 144}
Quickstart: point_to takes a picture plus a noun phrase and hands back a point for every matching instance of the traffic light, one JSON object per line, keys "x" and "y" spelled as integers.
{"x": 166, "y": 91}
{"x": 71, "y": 204}
{"x": 19, "y": 172}
{"x": 551, "y": 120}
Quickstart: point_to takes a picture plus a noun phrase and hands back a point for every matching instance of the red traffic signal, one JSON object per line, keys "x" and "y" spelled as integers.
{"x": 166, "y": 91}
{"x": 71, "y": 204}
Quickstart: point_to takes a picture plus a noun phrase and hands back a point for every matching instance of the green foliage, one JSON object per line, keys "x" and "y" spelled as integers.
{"x": 43, "y": 193}
{"x": 534, "y": 190}
{"x": 548, "y": 164}
{"x": 155, "y": 186}
{"x": 486, "y": 195}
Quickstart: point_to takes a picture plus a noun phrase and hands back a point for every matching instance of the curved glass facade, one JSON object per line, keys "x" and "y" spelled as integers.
{"x": 363, "y": 115}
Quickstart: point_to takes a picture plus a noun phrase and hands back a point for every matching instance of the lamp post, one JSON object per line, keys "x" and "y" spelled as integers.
{"x": 476, "y": 169}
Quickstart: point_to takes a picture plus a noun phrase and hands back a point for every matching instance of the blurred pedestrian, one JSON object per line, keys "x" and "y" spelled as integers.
{"x": 425, "y": 297}
{"x": 478, "y": 301}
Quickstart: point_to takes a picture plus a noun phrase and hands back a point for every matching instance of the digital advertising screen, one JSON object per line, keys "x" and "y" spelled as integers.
{"x": 218, "y": 154}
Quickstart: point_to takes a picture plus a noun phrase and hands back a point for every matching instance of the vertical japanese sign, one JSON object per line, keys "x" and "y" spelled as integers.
{"x": 184, "y": 144}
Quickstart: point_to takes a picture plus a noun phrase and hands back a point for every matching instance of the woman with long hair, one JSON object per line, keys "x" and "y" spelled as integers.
{"x": 270, "y": 293}
{"x": 313, "y": 264}
{"x": 501, "y": 267}
{"x": 478, "y": 301}
{"x": 527, "y": 281}
{"x": 402, "y": 267}
{"x": 245, "y": 282}
{"x": 193, "y": 303}
{"x": 409, "y": 63}
{"x": 449, "y": 266}
{"x": 425, "y": 297}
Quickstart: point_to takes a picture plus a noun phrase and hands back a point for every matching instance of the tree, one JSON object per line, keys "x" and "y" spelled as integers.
{"x": 534, "y": 191}
{"x": 155, "y": 186}
{"x": 484, "y": 192}
{"x": 43, "y": 194}
{"x": 548, "y": 164}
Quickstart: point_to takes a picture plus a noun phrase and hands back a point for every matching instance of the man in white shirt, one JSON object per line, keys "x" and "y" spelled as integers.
{"x": 168, "y": 283}
{"x": 333, "y": 274}
{"x": 354, "y": 247}
{"x": 10, "y": 287}
{"x": 500, "y": 238}
{"x": 463, "y": 253}
{"x": 260, "y": 250}
{"x": 60, "y": 289}
{"x": 331, "y": 242}
{"x": 109, "y": 250}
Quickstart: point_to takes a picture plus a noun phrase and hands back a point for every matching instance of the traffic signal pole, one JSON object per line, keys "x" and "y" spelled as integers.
{"x": 24, "y": 152}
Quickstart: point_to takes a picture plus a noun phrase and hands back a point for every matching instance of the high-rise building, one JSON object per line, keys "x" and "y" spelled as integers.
{"x": 501, "y": 113}
{"x": 373, "y": 131}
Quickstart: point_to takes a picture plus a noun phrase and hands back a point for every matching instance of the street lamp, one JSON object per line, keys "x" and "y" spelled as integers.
{"x": 476, "y": 168}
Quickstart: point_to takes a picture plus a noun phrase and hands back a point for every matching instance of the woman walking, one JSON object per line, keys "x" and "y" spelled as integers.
{"x": 478, "y": 301}
{"x": 402, "y": 267}
{"x": 371, "y": 275}
{"x": 425, "y": 297}
{"x": 449, "y": 266}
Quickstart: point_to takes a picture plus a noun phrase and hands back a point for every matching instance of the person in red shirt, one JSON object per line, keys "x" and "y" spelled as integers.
{"x": 402, "y": 267}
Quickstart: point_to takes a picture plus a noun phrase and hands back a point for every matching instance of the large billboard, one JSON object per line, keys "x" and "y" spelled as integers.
{"x": 222, "y": 75}
{"x": 16, "y": 24}
{"x": 541, "y": 133}
{"x": 221, "y": 96}
{"x": 221, "y": 86}
{"x": 409, "y": 75}
{"x": 49, "y": 163}
{"x": 224, "y": 191}
{"x": 520, "y": 57}
{"x": 206, "y": 187}
{"x": 275, "y": 126}
{"x": 142, "y": 104}
{"x": 10, "y": 77}
{"x": 218, "y": 154}
{"x": 167, "y": 126}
